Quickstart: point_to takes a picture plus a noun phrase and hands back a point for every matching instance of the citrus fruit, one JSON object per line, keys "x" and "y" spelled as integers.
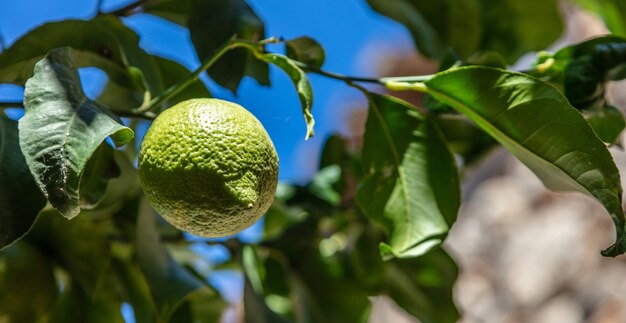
{"x": 208, "y": 167}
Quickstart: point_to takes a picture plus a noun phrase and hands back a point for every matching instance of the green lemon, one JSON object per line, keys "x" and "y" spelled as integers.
{"x": 208, "y": 167}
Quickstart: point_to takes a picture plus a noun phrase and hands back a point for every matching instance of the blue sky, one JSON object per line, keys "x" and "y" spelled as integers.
{"x": 348, "y": 30}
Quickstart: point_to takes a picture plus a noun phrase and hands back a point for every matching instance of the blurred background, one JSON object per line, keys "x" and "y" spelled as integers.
{"x": 525, "y": 254}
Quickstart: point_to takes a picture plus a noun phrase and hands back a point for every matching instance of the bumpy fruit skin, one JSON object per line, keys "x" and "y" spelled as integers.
{"x": 208, "y": 167}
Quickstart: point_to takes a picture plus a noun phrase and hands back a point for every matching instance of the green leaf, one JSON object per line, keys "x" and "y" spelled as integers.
{"x": 255, "y": 307}
{"x": 365, "y": 259}
{"x": 176, "y": 11}
{"x": 535, "y": 122}
{"x": 61, "y": 130}
{"x": 121, "y": 97}
{"x": 608, "y": 123}
{"x": 464, "y": 137}
{"x": 145, "y": 69}
{"x": 334, "y": 152}
{"x": 330, "y": 294}
{"x": 301, "y": 82}
{"x": 170, "y": 284}
{"x": 306, "y": 50}
{"x": 103, "y": 42}
{"x": 412, "y": 184}
{"x": 80, "y": 246}
{"x": 323, "y": 184}
{"x": 100, "y": 168}
{"x": 509, "y": 27}
{"x": 172, "y": 72}
{"x": 138, "y": 290}
{"x": 436, "y": 25}
{"x": 20, "y": 198}
{"x": 423, "y": 286}
{"x": 77, "y": 306}
{"x": 211, "y": 24}
{"x": 201, "y": 306}
{"x": 584, "y": 69}
{"x": 513, "y": 28}
{"x": 256, "y": 310}
{"x": 28, "y": 285}
{"x": 281, "y": 216}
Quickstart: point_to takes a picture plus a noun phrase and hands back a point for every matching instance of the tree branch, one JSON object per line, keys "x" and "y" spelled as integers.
{"x": 336, "y": 76}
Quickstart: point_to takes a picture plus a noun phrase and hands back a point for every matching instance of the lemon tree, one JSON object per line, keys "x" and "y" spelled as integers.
{"x": 96, "y": 217}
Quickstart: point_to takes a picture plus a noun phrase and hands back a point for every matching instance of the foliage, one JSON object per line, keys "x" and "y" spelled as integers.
{"x": 372, "y": 220}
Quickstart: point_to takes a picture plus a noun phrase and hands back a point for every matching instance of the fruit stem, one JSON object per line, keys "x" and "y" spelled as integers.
{"x": 184, "y": 83}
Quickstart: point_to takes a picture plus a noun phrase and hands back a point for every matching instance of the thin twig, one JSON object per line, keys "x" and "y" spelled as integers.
{"x": 337, "y": 76}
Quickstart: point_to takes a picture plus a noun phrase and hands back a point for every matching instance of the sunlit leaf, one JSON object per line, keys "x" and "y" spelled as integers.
{"x": 536, "y": 123}
{"x": 20, "y": 198}
{"x": 61, "y": 130}
{"x": 412, "y": 185}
